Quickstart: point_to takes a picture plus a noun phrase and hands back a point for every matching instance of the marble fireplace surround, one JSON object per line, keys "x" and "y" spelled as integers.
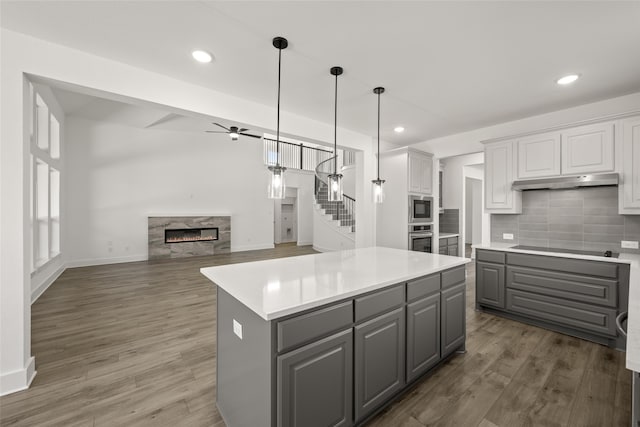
{"x": 158, "y": 249}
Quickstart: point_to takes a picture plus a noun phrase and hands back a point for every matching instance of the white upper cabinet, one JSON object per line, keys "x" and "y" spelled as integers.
{"x": 588, "y": 149}
{"x": 499, "y": 168}
{"x": 420, "y": 172}
{"x": 629, "y": 193}
{"x": 539, "y": 156}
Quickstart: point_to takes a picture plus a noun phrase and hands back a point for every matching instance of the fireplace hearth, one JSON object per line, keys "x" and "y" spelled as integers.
{"x": 187, "y": 236}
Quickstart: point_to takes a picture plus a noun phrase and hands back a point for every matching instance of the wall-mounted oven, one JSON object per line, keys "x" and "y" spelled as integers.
{"x": 420, "y": 209}
{"x": 420, "y": 238}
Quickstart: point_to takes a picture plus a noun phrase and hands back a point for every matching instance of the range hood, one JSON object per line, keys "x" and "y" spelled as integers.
{"x": 566, "y": 182}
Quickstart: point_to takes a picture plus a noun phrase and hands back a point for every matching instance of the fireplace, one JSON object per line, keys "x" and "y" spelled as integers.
{"x": 184, "y": 235}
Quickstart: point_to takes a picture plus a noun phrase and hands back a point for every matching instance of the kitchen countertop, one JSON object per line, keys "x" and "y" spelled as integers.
{"x": 446, "y": 235}
{"x": 633, "y": 321}
{"x": 280, "y": 287}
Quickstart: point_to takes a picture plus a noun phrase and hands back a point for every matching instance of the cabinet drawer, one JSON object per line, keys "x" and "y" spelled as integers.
{"x": 305, "y": 328}
{"x": 562, "y": 285}
{"x": 443, "y": 242}
{"x": 423, "y": 287}
{"x": 568, "y": 265}
{"x": 452, "y": 250}
{"x": 591, "y": 318}
{"x": 453, "y": 277}
{"x": 490, "y": 256}
{"x": 452, "y": 241}
{"x": 379, "y": 302}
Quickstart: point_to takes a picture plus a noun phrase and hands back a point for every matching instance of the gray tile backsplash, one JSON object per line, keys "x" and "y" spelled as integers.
{"x": 585, "y": 218}
{"x": 450, "y": 221}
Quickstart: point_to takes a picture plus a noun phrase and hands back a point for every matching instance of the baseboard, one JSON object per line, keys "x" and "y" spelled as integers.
{"x": 35, "y": 294}
{"x": 102, "y": 261}
{"x": 18, "y": 380}
{"x": 245, "y": 248}
{"x": 305, "y": 243}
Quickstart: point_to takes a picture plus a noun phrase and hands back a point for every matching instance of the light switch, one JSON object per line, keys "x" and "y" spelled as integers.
{"x": 507, "y": 236}
{"x": 237, "y": 328}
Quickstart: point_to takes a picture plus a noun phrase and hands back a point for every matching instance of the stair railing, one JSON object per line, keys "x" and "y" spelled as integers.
{"x": 344, "y": 211}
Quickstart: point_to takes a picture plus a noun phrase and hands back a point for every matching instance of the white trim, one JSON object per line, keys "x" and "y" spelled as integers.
{"x": 36, "y": 293}
{"x": 244, "y": 248}
{"x": 18, "y": 380}
{"x": 102, "y": 261}
{"x": 304, "y": 243}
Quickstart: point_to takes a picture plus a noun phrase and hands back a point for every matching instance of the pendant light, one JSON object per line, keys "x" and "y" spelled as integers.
{"x": 335, "y": 179}
{"x": 378, "y": 184}
{"x": 277, "y": 186}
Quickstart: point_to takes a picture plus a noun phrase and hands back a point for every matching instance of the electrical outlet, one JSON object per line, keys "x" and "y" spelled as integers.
{"x": 237, "y": 328}
{"x": 507, "y": 236}
{"x": 629, "y": 244}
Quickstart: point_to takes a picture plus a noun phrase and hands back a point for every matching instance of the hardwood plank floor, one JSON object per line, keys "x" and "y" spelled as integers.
{"x": 134, "y": 345}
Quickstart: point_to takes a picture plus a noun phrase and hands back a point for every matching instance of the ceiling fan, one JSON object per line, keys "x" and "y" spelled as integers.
{"x": 233, "y": 131}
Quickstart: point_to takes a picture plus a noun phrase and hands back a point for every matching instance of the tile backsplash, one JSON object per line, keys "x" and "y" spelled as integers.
{"x": 585, "y": 218}
{"x": 450, "y": 221}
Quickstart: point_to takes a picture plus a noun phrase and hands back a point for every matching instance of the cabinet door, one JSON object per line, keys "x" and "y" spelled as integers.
{"x": 420, "y": 173}
{"x": 453, "y": 319}
{"x": 490, "y": 284}
{"x": 498, "y": 174}
{"x": 315, "y": 383}
{"x": 452, "y": 250}
{"x": 630, "y": 186}
{"x": 539, "y": 156}
{"x": 379, "y": 361}
{"x": 587, "y": 149}
{"x": 423, "y": 335}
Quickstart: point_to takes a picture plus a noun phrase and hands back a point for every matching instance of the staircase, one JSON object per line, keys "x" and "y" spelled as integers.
{"x": 340, "y": 215}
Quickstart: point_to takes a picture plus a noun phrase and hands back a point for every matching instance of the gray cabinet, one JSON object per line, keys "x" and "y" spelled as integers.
{"x": 453, "y": 318}
{"x": 423, "y": 335}
{"x": 573, "y": 296}
{"x": 448, "y": 246}
{"x": 379, "y": 361}
{"x": 315, "y": 383}
{"x": 490, "y": 284}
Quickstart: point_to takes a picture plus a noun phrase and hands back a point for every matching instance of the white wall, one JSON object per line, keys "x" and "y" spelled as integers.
{"x": 469, "y": 142}
{"x": 473, "y": 210}
{"x": 20, "y": 55}
{"x": 120, "y": 175}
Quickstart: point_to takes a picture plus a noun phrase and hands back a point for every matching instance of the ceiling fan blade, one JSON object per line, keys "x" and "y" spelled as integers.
{"x": 242, "y": 130}
{"x": 218, "y": 124}
{"x": 252, "y": 136}
{"x": 215, "y": 131}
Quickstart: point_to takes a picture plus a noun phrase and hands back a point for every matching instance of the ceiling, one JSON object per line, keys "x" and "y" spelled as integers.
{"x": 447, "y": 67}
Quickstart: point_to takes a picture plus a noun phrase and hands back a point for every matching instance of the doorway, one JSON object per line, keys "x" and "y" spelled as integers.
{"x": 286, "y": 218}
{"x": 472, "y": 214}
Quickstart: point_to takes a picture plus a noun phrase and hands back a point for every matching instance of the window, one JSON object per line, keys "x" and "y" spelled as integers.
{"x": 45, "y": 182}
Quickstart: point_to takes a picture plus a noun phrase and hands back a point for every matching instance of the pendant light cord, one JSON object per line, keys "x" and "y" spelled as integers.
{"x": 335, "y": 130}
{"x": 378, "y": 137}
{"x": 278, "y": 119}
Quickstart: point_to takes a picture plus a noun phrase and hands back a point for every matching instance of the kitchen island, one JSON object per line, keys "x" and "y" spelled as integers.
{"x": 331, "y": 338}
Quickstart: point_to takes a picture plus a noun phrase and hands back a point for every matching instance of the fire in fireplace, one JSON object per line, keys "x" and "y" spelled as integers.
{"x": 184, "y": 235}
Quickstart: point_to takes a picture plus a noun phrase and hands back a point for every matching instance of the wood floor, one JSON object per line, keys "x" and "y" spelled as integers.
{"x": 134, "y": 345}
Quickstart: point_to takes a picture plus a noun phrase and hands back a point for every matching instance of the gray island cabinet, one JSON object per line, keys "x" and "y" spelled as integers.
{"x": 339, "y": 363}
{"x": 578, "y": 297}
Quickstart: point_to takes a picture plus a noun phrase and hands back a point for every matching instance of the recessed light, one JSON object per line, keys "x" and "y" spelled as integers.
{"x": 568, "y": 79}
{"x": 399, "y": 129}
{"x": 202, "y": 56}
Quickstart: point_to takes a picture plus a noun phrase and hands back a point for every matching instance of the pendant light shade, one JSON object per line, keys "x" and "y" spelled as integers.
{"x": 378, "y": 184}
{"x": 335, "y": 179}
{"x": 276, "y": 186}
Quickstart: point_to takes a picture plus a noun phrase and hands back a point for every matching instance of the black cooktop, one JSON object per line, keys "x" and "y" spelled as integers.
{"x": 608, "y": 254}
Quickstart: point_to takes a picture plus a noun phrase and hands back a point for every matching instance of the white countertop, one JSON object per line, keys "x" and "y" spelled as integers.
{"x": 283, "y": 286}
{"x": 633, "y": 321}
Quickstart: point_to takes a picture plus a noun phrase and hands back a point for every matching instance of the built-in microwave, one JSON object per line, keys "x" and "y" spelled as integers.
{"x": 420, "y": 209}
